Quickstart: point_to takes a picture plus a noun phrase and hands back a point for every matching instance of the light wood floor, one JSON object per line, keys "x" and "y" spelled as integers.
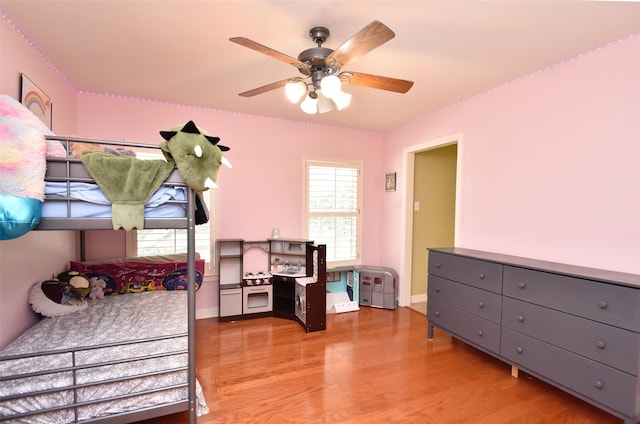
{"x": 370, "y": 366}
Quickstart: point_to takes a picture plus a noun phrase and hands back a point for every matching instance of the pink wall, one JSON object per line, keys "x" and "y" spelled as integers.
{"x": 35, "y": 256}
{"x": 549, "y": 167}
{"x": 550, "y": 163}
{"x": 264, "y": 188}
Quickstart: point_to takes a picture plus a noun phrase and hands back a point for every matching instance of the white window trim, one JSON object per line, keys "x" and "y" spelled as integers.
{"x": 306, "y": 161}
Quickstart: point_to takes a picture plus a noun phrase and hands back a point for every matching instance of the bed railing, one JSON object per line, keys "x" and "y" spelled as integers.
{"x": 69, "y": 365}
{"x": 71, "y": 170}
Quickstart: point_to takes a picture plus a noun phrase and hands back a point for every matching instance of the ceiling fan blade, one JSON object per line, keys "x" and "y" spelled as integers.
{"x": 373, "y": 35}
{"x": 269, "y": 52}
{"x": 376, "y": 81}
{"x": 264, "y": 88}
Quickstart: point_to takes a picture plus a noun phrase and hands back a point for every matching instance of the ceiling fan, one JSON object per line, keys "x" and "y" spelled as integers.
{"x": 321, "y": 68}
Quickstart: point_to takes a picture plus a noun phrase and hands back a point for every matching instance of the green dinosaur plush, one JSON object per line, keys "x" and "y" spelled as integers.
{"x": 196, "y": 153}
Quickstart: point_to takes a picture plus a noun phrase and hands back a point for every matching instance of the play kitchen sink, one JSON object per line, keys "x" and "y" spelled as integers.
{"x": 287, "y": 268}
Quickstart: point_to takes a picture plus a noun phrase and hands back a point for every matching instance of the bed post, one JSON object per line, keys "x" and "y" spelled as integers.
{"x": 191, "y": 314}
{"x": 83, "y": 246}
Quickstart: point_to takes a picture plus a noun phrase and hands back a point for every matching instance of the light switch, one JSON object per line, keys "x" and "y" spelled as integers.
{"x": 416, "y": 206}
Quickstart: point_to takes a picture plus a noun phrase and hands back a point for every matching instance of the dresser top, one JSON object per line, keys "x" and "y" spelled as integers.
{"x": 621, "y": 278}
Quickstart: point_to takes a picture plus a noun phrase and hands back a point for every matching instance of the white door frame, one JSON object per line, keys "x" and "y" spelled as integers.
{"x": 408, "y": 154}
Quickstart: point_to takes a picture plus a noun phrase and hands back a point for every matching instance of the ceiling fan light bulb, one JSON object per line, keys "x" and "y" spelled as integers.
{"x": 295, "y": 90}
{"x": 330, "y": 86}
{"x": 342, "y": 100}
{"x": 325, "y": 104}
{"x": 309, "y": 105}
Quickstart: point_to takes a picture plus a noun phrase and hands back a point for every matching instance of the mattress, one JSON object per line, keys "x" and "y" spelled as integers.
{"x": 90, "y": 202}
{"x": 113, "y": 319}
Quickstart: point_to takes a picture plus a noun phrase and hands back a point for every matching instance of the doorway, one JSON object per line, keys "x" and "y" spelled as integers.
{"x": 431, "y": 215}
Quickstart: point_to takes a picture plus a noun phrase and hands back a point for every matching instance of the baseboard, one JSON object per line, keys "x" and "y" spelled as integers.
{"x": 206, "y": 313}
{"x": 418, "y": 298}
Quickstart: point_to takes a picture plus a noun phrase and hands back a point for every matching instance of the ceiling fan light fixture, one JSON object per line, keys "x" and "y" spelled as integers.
{"x": 321, "y": 86}
{"x": 331, "y": 86}
{"x": 325, "y": 104}
{"x": 295, "y": 89}
{"x": 309, "y": 105}
{"x": 342, "y": 100}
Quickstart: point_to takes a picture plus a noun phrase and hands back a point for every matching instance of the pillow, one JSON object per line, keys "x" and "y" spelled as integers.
{"x": 176, "y": 257}
{"x": 15, "y": 113}
{"x": 54, "y": 298}
{"x": 22, "y": 166}
{"x": 78, "y": 148}
{"x": 139, "y": 276}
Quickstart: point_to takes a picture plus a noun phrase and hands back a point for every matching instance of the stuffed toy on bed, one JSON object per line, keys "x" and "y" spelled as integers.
{"x": 97, "y": 288}
{"x": 78, "y": 281}
{"x": 23, "y": 152}
{"x": 196, "y": 153}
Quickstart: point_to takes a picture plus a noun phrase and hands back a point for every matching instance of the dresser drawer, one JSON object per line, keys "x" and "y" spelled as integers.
{"x": 598, "y": 301}
{"x": 479, "y": 302}
{"x": 469, "y": 327}
{"x": 603, "y": 343}
{"x": 603, "y": 384}
{"x": 482, "y": 274}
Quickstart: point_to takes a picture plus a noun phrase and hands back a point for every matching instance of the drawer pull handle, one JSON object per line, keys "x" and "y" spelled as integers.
{"x": 598, "y": 384}
{"x": 481, "y": 304}
{"x": 437, "y": 264}
{"x": 437, "y": 313}
{"x": 437, "y": 289}
{"x": 602, "y": 304}
{"x": 519, "y": 349}
{"x": 480, "y": 333}
{"x": 481, "y": 275}
{"x": 522, "y": 285}
{"x": 601, "y": 344}
{"x": 520, "y": 318}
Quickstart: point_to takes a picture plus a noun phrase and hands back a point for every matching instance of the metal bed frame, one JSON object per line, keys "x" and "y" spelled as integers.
{"x": 71, "y": 170}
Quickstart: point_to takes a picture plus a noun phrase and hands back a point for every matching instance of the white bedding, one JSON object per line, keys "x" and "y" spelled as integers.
{"x": 114, "y": 319}
{"x": 94, "y": 204}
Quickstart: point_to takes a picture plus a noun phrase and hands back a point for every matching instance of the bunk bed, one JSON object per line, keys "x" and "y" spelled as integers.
{"x": 70, "y": 380}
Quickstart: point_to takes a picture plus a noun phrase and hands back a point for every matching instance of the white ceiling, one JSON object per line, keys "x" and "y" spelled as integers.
{"x": 179, "y": 51}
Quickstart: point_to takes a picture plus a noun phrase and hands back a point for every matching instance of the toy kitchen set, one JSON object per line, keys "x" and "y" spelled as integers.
{"x": 296, "y": 284}
{"x": 290, "y": 287}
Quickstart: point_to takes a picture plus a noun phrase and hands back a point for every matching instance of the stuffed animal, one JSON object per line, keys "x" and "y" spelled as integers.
{"x": 23, "y": 149}
{"x": 78, "y": 148}
{"x": 77, "y": 280}
{"x": 197, "y": 155}
{"x": 97, "y": 288}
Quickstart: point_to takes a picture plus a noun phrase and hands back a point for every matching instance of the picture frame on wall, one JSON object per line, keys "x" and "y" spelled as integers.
{"x": 390, "y": 181}
{"x": 36, "y": 100}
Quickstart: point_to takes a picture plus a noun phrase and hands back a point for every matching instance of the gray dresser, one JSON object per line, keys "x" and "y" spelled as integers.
{"x": 574, "y": 327}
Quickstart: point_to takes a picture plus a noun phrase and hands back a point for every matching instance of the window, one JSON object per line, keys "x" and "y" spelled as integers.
{"x": 170, "y": 241}
{"x": 332, "y": 203}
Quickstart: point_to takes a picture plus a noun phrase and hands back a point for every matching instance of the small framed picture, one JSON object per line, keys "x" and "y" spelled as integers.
{"x": 390, "y": 181}
{"x": 34, "y": 99}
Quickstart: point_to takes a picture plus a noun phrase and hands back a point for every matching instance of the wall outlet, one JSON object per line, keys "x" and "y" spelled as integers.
{"x": 416, "y": 206}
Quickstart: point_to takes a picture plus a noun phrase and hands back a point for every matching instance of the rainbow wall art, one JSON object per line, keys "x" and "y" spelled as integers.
{"x": 36, "y": 100}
